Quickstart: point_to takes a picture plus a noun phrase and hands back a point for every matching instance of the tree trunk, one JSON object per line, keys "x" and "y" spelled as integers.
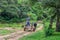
{"x": 51, "y": 21}
{"x": 49, "y": 31}
{"x": 58, "y": 21}
{"x": 58, "y": 24}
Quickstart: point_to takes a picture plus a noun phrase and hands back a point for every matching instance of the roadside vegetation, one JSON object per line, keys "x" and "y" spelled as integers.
{"x": 5, "y": 32}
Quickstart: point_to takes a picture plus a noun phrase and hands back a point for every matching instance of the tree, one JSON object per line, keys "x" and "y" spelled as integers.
{"x": 9, "y": 8}
{"x": 55, "y": 4}
{"x": 12, "y": 10}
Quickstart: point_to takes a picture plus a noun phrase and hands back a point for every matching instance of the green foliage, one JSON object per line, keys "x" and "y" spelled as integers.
{"x": 38, "y": 10}
{"x": 56, "y": 5}
{"x": 32, "y": 16}
{"x": 4, "y": 32}
{"x": 51, "y": 3}
{"x": 12, "y": 11}
{"x": 8, "y": 9}
{"x": 48, "y": 31}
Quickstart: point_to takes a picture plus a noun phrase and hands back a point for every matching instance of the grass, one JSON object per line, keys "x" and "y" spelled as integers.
{"x": 5, "y": 25}
{"x": 13, "y": 25}
{"x": 40, "y": 36}
{"x": 4, "y": 32}
{"x": 35, "y": 36}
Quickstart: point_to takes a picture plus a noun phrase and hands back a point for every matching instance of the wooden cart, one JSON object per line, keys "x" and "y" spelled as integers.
{"x": 29, "y": 28}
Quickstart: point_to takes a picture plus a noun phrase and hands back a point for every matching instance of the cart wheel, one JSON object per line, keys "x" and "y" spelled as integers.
{"x": 24, "y": 29}
{"x": 34, "y": 29}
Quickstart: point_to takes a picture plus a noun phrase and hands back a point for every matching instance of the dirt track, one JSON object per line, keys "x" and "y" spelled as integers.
{"x": 18, "y": 34}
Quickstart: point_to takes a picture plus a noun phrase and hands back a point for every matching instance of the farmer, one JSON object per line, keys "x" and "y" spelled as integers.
{"x": 28, "y": 21}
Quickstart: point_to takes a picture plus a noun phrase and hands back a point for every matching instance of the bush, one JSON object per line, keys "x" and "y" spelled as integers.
{"x": 48, "y": 31}
{"x": 32, "y": 16}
